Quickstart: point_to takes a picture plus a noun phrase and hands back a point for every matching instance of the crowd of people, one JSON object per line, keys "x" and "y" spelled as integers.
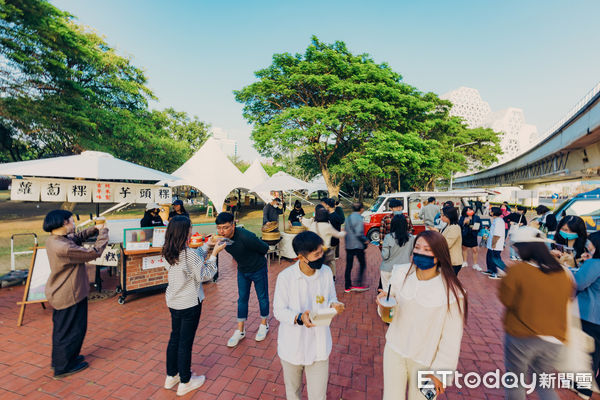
{"x": 419, "y": 273}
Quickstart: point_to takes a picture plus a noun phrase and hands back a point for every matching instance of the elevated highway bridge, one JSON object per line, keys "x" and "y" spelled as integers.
{"x": 570, "y": 152}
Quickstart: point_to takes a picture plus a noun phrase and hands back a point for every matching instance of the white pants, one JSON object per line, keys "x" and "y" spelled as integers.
{"x": 317, "y": 375}
{"x": 385, "y": 280}
{"x": 398, "y": 373}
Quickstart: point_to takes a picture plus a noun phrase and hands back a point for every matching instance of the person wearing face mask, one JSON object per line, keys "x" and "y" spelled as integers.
{"x": 470, "y": 223}
{"x": 68, "y": 287}
{"x": 426, "y": 331}
{"x": 302, "y": 288}
{"x": 322, "y": 227}
{"x": 571, "y": 231}
{"x": 295, "y": 218}
{"x": 151, "y": 217}
{"x": 495, "y": 244}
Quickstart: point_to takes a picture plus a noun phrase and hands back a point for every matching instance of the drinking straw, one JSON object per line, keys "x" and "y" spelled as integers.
{"x": 389, "y": 290}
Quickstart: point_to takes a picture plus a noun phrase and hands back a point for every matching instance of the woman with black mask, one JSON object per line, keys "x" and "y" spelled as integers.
{"x": 296, "y": 214}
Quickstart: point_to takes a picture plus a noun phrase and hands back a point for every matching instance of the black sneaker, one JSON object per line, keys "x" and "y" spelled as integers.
{"x": 79, "y": 359}
{"x": 487, "y": 272}
{"x": 78, "y": 367}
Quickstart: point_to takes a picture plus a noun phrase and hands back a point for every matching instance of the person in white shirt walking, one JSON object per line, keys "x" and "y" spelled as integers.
{"x": 495, "y": 244}
{"x": 427, "y": 328}
{"x": 187, "y": 269}
{"x": 304, "y": 287}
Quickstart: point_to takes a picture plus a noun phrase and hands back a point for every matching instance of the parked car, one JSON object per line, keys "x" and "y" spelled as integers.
{"x": 584, "y": 205}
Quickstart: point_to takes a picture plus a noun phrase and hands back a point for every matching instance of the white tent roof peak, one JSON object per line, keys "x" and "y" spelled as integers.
{"x": 211, "y": 172}
{"x": 284, "y": 182}
{"x": 255, "y": 174}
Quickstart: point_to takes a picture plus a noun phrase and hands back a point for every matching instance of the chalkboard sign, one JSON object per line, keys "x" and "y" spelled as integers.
{"x": 39, "y": 271}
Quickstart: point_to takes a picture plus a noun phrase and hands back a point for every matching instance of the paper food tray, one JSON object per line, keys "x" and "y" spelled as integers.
{"x": 323, "y": 317}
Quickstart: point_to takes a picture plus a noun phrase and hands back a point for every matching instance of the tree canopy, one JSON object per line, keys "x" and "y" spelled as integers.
{"x": 346, "y": 116}
{"x": 66, "y": 90}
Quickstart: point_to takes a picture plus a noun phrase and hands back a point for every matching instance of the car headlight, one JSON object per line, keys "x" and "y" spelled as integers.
{"x": 367, "y": 219}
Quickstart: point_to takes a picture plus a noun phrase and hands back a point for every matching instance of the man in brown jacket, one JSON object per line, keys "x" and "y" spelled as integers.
{"x": 68, "y": 287}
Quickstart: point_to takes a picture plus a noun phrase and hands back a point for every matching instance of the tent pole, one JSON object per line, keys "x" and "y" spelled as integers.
{"x": 97, "y": 210}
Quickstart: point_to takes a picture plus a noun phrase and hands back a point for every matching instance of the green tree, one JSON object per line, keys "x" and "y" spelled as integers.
{"x": 341, "y": 112}
{"x": 242, "y": 165}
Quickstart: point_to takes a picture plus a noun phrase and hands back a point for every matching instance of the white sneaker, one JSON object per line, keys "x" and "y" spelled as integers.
{"x": 494, "y": 276}
{"x": 465, "y": 264}
{"x": 262, "y": 332}
{"x": 194, "y": 383}
{"x": 476, "y": 267}
{"x": 171, "y": 381}
{"x": 235, "y": 339}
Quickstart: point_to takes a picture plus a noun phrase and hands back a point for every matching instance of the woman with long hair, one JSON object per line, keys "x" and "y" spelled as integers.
{"x": 322, "y": 227}
{"x": 188, "y": 268}
{"x": 571, "y": 232}
{"x": 587, "y": 278}
{"x": 453, "y": 235}
{"x": 427, "y": 328}
{"x": 470, "y": 223}
{"x": 396, "y": 248}
{"x": 536, "y": 292}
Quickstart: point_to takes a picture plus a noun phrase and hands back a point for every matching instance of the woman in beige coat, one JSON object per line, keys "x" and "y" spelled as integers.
{"x": 453, "y": 235}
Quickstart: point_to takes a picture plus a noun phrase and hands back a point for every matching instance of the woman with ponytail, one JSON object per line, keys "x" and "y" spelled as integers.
{"x": 426, "y": 330}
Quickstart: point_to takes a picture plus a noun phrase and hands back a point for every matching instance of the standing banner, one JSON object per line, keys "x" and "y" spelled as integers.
{"x": 53, "y": 191}
{"x": 25, "y": 190}
{"x": 79, "y": 192}
{"x": 39, "y": 271}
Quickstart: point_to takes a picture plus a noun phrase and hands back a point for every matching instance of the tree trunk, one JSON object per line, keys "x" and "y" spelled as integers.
{"x": 361, "y": 192}
{"x": 399, "y": 181}
{"x": 375, "y": 186}
{"x": 332, "y": 188}
{"x": 67, "y": 206}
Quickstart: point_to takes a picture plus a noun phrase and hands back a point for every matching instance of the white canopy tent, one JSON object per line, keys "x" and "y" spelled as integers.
{"x": 211, "y": 172}
{"x": 255, "y": 175}
{"x": 282, "y": 181}
{"x": 87, "y": 165}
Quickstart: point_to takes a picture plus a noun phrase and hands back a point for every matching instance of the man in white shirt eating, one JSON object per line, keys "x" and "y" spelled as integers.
{"x": 302, "y": 289}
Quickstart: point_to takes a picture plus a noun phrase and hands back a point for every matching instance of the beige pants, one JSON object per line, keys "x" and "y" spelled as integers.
{"x": 398, "y": 373}
{"x": 329, "y": 259}
{"x": 317, "y": 375}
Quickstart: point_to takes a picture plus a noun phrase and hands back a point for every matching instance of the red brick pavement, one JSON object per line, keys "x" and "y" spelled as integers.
{"x": 126, "y": 344}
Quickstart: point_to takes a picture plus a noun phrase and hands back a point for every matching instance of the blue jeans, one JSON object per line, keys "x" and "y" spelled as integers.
{"x": 493, "y": 260}
{"x": 261, "y": 285}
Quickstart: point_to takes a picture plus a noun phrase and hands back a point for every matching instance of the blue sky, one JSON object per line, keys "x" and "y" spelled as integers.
{"x": 541, "y": 56}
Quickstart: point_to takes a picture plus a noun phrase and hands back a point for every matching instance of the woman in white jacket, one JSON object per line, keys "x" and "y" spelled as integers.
{"x": 426, "y": 331}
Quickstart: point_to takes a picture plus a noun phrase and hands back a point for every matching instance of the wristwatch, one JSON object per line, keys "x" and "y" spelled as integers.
{"x": 299, "y": 319}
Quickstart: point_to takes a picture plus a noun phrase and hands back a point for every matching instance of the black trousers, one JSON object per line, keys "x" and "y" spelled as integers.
{"x": 68, "y": 332}
{"x": 179, "y": 350}
{"x": 350, "y": 254}
{"x": 456, "y": 269}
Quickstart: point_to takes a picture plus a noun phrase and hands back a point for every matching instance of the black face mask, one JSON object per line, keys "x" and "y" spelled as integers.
{"x": 317, "y": 264}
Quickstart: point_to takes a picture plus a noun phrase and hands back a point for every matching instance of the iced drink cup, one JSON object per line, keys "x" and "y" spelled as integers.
{"x": 387, "y": 309}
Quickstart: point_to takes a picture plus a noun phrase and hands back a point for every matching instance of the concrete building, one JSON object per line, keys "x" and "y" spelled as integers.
{"x": 518, "y": 136}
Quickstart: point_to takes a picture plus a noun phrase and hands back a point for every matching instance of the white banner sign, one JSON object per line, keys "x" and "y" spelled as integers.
{"x": 144, "y": 194}
{"x": 79, "y": 192}
{"x": 53, "y": 191}
{"x": 153, "y": 262}
{"x": 103, "y": 192}
{"x": 25, "y": 190}
{"x": 163, "y": 195}
{"x": 124, "y": 192}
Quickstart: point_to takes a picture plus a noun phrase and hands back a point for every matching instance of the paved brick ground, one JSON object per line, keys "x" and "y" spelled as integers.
{"x": 125, "y": 346}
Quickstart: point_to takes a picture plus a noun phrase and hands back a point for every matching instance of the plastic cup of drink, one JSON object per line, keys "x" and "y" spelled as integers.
{"x": 387, "y": 308}
{"x": 100, "y": 221}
